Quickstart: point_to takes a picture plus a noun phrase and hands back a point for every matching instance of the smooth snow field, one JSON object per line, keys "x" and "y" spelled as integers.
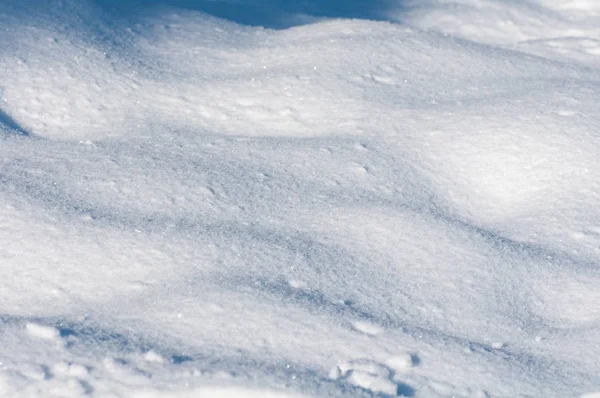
{"x": 287, "y": 199}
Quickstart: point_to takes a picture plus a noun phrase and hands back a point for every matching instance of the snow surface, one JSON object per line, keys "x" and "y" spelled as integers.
{"x": 300, "y": 199}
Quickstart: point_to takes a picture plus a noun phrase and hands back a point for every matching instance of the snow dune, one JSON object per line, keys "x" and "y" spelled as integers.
{"x": 396, "y": 200}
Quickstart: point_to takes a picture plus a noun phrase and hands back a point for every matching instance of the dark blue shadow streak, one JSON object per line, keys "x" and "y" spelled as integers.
{"x": 13, "y": 126}
{"x": 275, "y": 14}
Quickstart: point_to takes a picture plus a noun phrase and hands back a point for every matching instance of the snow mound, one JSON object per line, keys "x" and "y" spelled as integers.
{"x": 564, "y": 30}
{"x": 405, "y": 206}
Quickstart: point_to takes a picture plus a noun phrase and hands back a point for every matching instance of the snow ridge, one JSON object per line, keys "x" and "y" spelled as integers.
{"x": 404, "y": 204}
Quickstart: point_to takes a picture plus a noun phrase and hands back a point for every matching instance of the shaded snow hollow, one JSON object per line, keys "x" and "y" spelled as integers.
{"x": 406, "y": 204}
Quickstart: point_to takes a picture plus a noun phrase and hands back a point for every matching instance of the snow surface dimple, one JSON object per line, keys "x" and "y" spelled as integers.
{"x": 345, "y": 208}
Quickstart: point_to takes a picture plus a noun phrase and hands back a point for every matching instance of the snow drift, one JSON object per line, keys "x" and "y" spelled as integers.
{"x": 394, "y": 201}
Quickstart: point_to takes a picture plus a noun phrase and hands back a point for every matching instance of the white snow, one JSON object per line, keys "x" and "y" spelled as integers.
{"x": 42, "y": 332}
{"x": 400, "y": 362}
{"x": 368, "y": 328}
{"x": 291, "y": 199}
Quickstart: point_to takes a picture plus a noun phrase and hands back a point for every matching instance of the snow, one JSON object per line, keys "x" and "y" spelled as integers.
{"x": 293, "y": 199}
{"x": 42, "y": 332}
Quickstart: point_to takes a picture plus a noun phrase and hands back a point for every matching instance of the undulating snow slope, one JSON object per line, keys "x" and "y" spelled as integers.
{"x": 405, "y": 204}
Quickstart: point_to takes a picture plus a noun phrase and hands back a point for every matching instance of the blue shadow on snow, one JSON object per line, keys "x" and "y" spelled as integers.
{"x": 13, "y": 127}
{"x": 275, "y": 14}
